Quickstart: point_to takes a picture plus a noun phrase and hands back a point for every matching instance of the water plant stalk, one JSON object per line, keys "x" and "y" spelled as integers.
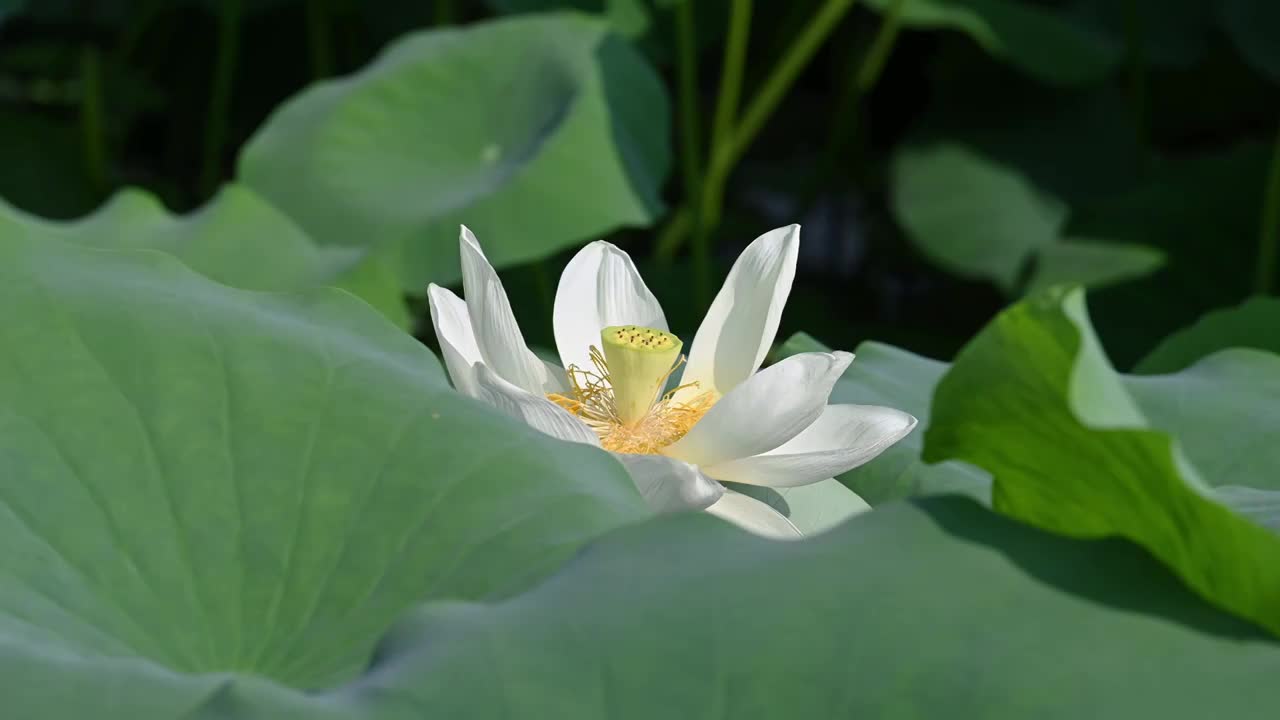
{"x": 709, "y": 197}
{"x": 848, "y": 119}
{"x": 726, "y": 153}
{"x": 91, "y": 128}
{"x": 690, "y": 117}
{"x": 215, "y": 129}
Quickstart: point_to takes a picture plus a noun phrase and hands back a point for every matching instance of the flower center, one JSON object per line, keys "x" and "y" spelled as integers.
{"x": 622, "y": 400}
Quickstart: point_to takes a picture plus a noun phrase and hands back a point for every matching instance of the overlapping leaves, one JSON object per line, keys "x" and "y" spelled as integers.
{"x": 1033, "y": 400}
{"x": 212, "y": 497}
{"x": 884, "y": 375}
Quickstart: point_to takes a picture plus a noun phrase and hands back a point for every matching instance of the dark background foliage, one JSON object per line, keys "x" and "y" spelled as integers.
{"x": 1130, "y": 138}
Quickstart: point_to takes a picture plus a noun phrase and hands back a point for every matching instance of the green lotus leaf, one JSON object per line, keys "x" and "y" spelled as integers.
{"x": 220, "y": 504}
{"x": 941, "y": 609}
{"x": 1254, "y": 323}
{"x": 1033, "y": 400}
{"x": 237, "y": 239}
{"x": 538, "y": 132}
{"x": 979, "y": 217}
{"x": 1048, "y": 45}
{"x": 199, "y": 479}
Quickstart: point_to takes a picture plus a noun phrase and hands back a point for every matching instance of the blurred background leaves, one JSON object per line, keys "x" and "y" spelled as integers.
{"x": 944, "y": 156}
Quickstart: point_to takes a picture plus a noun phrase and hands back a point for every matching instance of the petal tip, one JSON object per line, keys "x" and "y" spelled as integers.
{"x": 439, "y": 295}
{"x": 467, "y": 238}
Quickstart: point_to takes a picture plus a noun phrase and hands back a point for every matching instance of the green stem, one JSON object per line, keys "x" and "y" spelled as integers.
{"x": 92, "y": 135}
{"x": 785, "y": 73}
{"x": 848, "y": 123}
{"x": 731, "y": 72}
{"x": 1269, "y": 230}
{"x": 710, "y": 196}
{"x": 319, "y": 39}
{"x": 215, "y": 129}
{"x": 775, "y": 88}
{"x": 881, "y": 48}
{"x": 674, "y": 233}
{"x": 690, "y": 122}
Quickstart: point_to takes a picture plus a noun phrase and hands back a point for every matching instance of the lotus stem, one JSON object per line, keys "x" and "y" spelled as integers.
{"x": 690, "y": 122}
{"x": 215, "y": 129}
{"x": 710, "y": 197}
{"x": 728, "y": 149}
{"x": 91, "y": 129}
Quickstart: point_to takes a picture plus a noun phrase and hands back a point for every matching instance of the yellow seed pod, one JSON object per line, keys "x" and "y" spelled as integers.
{"x": 639, "y": 359}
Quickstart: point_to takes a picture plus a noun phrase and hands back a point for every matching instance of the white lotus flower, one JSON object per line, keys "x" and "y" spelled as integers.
{"x": 723, "y": 422}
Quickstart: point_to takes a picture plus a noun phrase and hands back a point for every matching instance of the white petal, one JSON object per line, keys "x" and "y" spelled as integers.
{"x": 598, "y": 288}
{"x": 743, "y": 320}
{"x": 457, "y": 339}
{"x": 535, "y": 410}
{"x": 670, "y": 485}
{"x": 842, "y": 438}
{"x": 773, "y": 406}
{"x": 497, "y": 336}
{"x": 754, "y": 516}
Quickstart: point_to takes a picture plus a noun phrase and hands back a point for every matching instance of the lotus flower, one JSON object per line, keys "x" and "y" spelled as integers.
{"x": 724, "y": 419}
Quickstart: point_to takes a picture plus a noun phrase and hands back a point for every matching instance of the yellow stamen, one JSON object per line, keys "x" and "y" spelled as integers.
{"x": 591, "y": 397}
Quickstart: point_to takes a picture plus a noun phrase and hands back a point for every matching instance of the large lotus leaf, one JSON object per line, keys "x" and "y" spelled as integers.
{"x": 1033, "y": 400}
{"x": 970, "y": 215}
{"x": 1225, "y": 410}
{"x": 538, "y": 132}
{"x": 983, "y": 218}
{"x": 236, "y": 238}
{"x": 1252, "y": 324}
{"x": 200, "y": 479}
{"x": 935, "y": 610}
{"x": 211, "y": 495}
{"x": 1237, "y": 390}
{"x": 1048, "y": 45}
{"x": 885, "y": 375}
{"x": 1091, "y": 264}
{"x": 941, "y": 610}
